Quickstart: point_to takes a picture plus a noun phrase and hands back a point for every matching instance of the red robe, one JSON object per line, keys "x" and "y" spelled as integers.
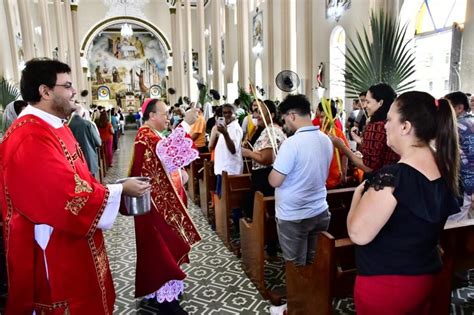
{"x": 44, "y": 179}
{"x": 165, "y": 235}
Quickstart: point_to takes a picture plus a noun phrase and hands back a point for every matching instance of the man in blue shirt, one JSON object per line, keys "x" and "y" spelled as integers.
{"x": 460, "y": 104}
{"x": 299, "y": 175}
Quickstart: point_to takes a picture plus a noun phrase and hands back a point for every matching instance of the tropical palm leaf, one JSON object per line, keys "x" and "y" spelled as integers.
{"x": 8, "y": 93}
{"x": 385, "y": 56}
{"x": 245, "y": 99}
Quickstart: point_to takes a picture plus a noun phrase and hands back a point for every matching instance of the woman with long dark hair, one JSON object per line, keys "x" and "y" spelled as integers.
{"x": 397, "y": 217}
{"x": 106, "y": 131}
{"x": 374, "y": 149}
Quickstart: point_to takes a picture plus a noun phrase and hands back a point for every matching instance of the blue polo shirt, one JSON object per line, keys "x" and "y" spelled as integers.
{"x": 304, "y": 158}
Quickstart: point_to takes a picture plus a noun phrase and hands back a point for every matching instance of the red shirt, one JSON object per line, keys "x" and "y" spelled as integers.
{"x": 374, "y": 149}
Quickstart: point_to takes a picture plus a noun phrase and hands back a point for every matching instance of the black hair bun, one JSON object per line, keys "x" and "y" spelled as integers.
{"x": 215, "y": 95}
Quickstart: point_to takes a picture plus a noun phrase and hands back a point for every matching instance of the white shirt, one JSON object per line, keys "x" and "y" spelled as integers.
{"x": 43, "y": 231}
{"x": 223, "y": 159}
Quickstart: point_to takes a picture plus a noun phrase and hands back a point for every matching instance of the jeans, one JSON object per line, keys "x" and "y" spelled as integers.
{"x": 298, "y": 238}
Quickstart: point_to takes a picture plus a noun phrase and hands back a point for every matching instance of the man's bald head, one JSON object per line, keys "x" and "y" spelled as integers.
{"x": 161, "y": 107}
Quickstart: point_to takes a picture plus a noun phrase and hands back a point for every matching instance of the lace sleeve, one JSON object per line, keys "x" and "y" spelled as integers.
{"x": 379, "y": 181}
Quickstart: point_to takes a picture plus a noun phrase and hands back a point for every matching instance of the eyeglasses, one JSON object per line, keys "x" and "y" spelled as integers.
{"x": 162, "y": 114}
{"x": 287, "y": 114}
{"x": 67, "y": 85}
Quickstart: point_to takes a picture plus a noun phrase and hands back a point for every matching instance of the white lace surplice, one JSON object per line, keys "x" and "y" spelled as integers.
{"x": 169, "y": 292}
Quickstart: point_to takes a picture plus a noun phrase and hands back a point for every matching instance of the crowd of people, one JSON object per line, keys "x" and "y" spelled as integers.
{"x": 409, "y": 155}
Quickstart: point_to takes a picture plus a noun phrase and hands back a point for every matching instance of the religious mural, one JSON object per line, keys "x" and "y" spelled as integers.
{"x": 127, "y": 64}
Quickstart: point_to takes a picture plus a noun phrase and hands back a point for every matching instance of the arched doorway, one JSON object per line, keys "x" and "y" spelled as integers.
{"x": 130, "y": 65}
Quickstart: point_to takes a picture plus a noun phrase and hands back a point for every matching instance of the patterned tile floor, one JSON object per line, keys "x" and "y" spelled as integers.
{"x": 215, "y": 283}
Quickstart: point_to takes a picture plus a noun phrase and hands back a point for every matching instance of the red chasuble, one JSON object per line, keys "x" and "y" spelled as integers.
{"x": 165, "y": 235}
{"x": 44, "y": 179}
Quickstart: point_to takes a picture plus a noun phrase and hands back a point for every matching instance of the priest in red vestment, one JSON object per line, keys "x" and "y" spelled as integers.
{"x": 165, "y": 235}
{"x": 52, "y": 209}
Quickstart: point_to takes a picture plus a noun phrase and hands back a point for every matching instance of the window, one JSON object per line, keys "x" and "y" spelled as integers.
{"x": 434, "y": 25}
{"x": 337, "y": 51}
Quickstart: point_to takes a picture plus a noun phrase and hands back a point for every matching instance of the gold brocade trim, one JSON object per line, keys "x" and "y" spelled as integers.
{"x": 81, "y": 185}
{"x": 15, "y": 127}
{"x": 45, "y": 309}
{"x": 99, "y": 213}
{"x": 76, "y": 204}
{"x": 100, "y": 264}
{"x": 6, "y": 231}
{"x": 164, "y": 196}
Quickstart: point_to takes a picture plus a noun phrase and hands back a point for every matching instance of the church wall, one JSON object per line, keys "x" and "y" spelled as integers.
{"x": 6, "y": 68}
{"x": 467, "y": 52}
{"x": 352, "y": 20}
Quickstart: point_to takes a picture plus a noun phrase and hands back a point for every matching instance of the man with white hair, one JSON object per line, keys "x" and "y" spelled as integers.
{"x": 88, "y": 138}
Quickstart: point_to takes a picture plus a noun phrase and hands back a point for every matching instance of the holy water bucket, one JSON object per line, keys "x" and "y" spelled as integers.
{"x": 135, "y": 206}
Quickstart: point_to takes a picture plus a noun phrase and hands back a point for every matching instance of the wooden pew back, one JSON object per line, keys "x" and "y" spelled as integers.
{"x": 207, "y": 184}
{"x": 194, "y": 175}
{"x": 311, "y": 289}
{"x": 252, "y": 240}
{"x": 233, "y": 192}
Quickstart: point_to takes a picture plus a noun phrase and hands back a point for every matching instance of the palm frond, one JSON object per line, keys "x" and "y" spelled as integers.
{"x": 8, "y": 93}
{"x": 385, "y": 56}
{"x": 245, "y": 98}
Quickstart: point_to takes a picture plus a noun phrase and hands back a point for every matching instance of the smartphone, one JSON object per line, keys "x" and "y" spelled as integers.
{"x": 221, "y": 121}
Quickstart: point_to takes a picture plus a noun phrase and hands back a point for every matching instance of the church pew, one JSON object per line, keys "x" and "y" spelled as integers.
{"x": 339, "y": 202}
{"x": 194, "y": 173}
{"x": 207, "y": 184}
{"x": 312, "y": 288}
{"x": 233, "y": 192}
{"x": 457, "y": 253}
{"x": 102, "y": 163}
{"x": 253, "y": 236}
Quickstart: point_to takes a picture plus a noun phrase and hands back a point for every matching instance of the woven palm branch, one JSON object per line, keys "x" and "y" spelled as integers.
{"x": 386, "y": 57}
{"x": 8, "y": 93}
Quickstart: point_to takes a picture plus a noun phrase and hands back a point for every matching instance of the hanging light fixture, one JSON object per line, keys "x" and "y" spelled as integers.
{"x": 126, "y": 31}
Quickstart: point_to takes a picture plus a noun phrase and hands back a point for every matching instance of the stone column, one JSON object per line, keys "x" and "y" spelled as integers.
{"x": 243, "y": 41}
{"x": 308, "y": 68}
{"x": 26, "y": 30}
{"x": 71, "y": 59}
{"x": 174, "y": 55}
{"x": 288, "y": 33}
{"x": 170, "y": 83}
{"x": 76, "y": 52}
{"x": 227, "y": 51}
{"x": 179, "y": 51}
{"x": 269, "y": 50}
{"x": 467, "y": 50}
{"x": 60, "y": 30}
{"x": 45, "y": 28}
{"x": 216, "y": 45}
{"x": 188, "y": 57}
{"x": 202, "y": 57}
{"x": 11, "y": 41}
